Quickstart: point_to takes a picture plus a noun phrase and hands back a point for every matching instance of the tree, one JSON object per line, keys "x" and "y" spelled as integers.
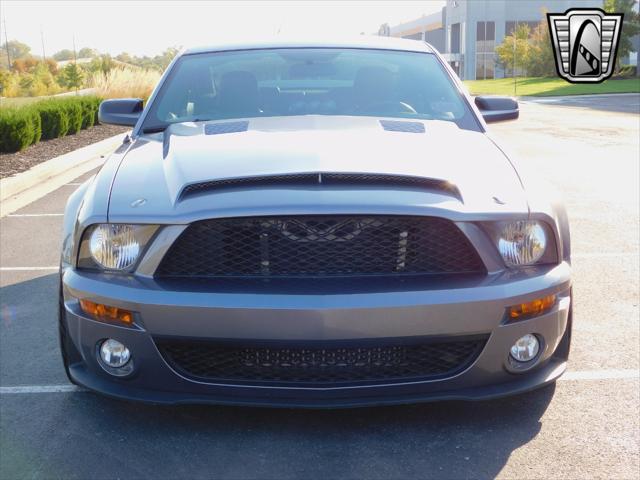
{"x": 162, "y": 61}
{"x": 72, "y": 76}
{"x": 16, "y": 49}
{"x": 630, "y": 25}
{"x": 87, "y": 52}
{"x": 125, "y": 58}
{"x": 24, "y": 65}
{"x": 102, "y": 64}
{"x": 9, "y": 83}
{"x": 541, "y": 62}
{"x": 514, "y": 51}
{"x": 52, "y": 65}
{"x": 63, "y": 55}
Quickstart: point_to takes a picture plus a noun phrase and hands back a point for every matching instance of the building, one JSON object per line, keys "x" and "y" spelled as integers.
{"x": 466, "y": 32}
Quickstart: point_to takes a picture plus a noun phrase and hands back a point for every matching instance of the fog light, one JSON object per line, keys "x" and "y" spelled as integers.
{"x": 526, "y": 348}
{"x": 114, "y": 354}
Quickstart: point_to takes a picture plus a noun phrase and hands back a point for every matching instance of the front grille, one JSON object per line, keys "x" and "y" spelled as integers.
{"x": 333, "y": 363}
{"x": 320, "y": 246}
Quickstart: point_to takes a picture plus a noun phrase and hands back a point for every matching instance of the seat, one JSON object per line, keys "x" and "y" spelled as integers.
{"x": 238, "y": 94}
{"x": 371, "y": 86}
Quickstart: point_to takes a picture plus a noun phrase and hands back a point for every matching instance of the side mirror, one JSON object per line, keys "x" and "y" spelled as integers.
{"x": 120, "y": 111}
{"x": 497, "y": 109}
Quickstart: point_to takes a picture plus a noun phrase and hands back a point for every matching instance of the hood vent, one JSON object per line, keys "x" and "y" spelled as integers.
{"x": 407, "y": 127}
{"x": 226, "y": 127}
{"x": 326, "y": 179}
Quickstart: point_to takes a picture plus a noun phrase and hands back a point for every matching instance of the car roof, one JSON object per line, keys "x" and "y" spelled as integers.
{"x": 362, "y": 41}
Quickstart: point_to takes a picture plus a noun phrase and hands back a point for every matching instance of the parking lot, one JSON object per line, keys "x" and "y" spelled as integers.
{"x": 586, "y": 426}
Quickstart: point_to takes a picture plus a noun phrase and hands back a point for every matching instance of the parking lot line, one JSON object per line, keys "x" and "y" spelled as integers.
{"x": 35, "y": 215}
{"x": 569, "y": 376}
{"x": 601, "y": 375}
{"x": 26, "y": 269}
{"x": 41, "y": 389}
{"x": 605, "y": 254}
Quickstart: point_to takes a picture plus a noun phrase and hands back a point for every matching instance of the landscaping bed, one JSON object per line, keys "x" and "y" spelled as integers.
{"x": 14, "y": 163}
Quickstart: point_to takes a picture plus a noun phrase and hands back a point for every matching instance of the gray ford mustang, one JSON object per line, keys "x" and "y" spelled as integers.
{"x": 314, "y": 225}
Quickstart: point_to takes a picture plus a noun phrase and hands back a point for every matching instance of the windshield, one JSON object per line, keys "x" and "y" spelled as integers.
{"x": 307, "y": 81}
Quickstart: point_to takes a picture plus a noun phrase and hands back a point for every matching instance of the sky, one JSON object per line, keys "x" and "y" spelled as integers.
{"x": 148, "y": 27}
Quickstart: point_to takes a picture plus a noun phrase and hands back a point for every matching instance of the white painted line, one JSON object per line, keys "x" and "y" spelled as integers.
{"x": 568, "y": 376}
{"x": 26, "y": 269}
{"x": 35, "y": 215}
{"x": 40, "y": 389}
{"x": 601, "y": 375}
{"x": 605, "y": 254}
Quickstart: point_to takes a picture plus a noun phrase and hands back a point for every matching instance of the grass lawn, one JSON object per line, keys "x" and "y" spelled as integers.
{"x": 549, "y": 86}
{"x": 18, "y": 101}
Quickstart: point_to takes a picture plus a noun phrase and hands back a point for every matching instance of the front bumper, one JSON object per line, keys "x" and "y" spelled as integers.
{"x": 470, "y": 307}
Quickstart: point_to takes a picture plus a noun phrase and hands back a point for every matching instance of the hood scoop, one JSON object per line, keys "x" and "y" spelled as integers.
{"x": 407, "y": 127}
{"x": 325, "y": 179}
{"x": 225, "y": 127}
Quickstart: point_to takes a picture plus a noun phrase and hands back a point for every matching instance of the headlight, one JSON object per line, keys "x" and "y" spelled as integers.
{"x": 113, "y": 246}
{"x": 524, "y": 242}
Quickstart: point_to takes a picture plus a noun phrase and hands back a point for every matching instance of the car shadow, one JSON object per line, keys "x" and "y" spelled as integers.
{"x": 92, "y": 433}
{"x": 443, "y": 440}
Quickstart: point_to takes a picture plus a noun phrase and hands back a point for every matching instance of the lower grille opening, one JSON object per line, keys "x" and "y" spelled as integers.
{"x": 331, "y": 363}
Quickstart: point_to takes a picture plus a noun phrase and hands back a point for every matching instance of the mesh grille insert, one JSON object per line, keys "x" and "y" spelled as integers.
{"x": 320, "y": 246}
{"x": 322, "y": 365}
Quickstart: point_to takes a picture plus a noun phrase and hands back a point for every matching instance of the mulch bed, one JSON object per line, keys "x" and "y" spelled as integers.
{"x": 13, "y": 163}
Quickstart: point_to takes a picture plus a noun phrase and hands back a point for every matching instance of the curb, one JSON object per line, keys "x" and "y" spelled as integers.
{"x": 38, "y": 181}
{"x": 578, "y": 96}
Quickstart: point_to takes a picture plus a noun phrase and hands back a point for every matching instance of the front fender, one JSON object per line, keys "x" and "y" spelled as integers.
{"x": 89, "y": 204}
{"x": 547, "y": 200}
{"x": 71, "y": 210}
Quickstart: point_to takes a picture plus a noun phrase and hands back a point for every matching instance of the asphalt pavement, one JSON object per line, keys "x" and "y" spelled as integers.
{"x": 586, "y": 426}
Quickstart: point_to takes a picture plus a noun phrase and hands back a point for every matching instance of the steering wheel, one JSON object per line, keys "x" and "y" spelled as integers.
{"x": 387, "y": 106}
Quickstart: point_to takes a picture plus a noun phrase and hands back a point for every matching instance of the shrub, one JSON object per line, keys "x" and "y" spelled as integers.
{"x": 43, "y": 120}
{"x": 96, "y": 104}
{"x": 37, "y": 124}
{"x": 89, "y": 111}
{"x": 55, "y": 121}
{"x": 16, "y": 129}
{"x": 74, "y": 114}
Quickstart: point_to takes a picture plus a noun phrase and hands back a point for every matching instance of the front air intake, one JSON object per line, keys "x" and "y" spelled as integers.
{"x": 325, "y": 179}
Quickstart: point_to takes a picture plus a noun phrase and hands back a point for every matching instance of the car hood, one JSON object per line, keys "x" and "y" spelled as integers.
{"x": 157, "y": 167}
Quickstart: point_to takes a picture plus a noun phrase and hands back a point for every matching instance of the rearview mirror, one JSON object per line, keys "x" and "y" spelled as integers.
{"x": 497, "y": 109}
{"x": 120, "y": 111}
